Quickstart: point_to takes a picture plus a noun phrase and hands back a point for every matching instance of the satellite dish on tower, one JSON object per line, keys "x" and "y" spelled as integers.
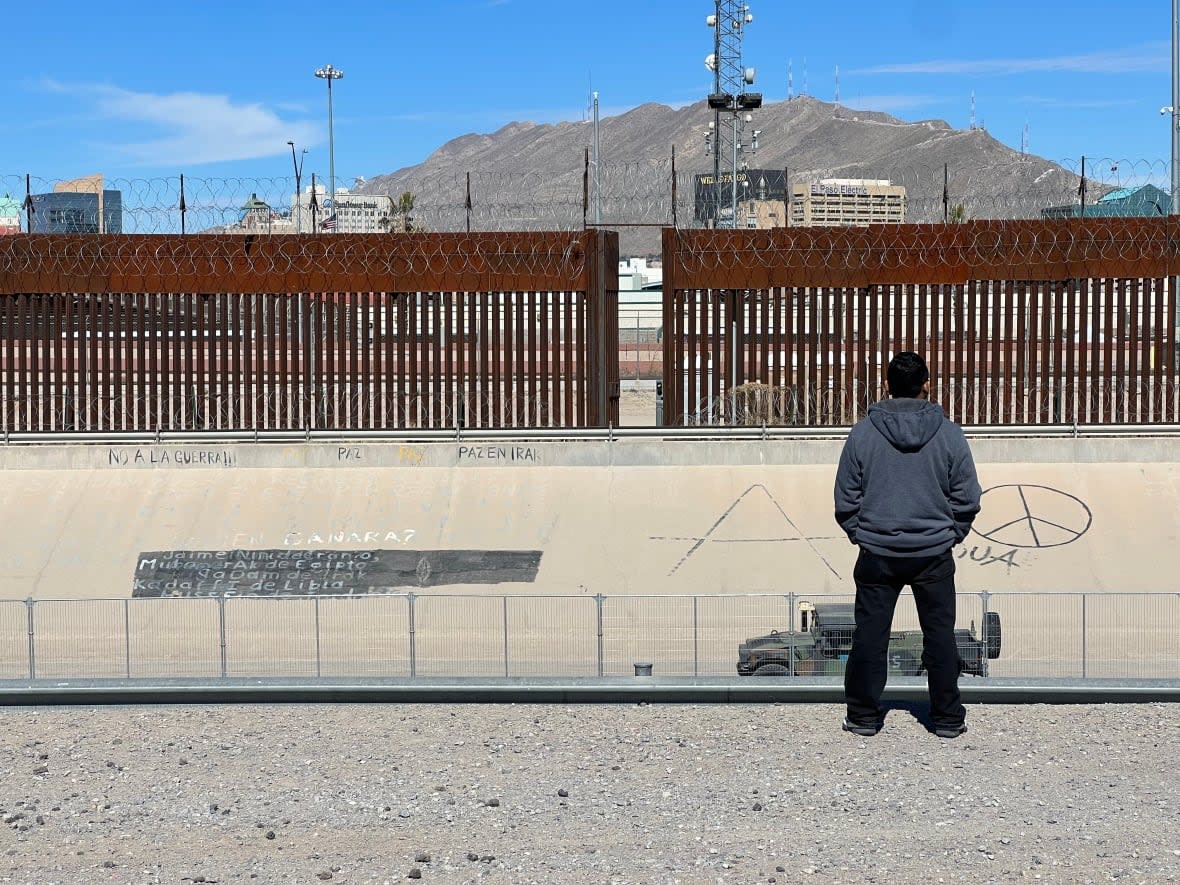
{"x": 711, "y": 61}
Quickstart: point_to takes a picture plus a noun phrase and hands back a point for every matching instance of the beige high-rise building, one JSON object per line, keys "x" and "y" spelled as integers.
{"x": 355, "y": 213}
{"x": 760, "y": 214}
{"x": 847, "y": 202}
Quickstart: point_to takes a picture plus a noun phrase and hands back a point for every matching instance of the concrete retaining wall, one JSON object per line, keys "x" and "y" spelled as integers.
{"x": 629, "y": 516}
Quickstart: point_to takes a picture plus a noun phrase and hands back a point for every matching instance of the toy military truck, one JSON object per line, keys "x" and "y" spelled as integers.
{"x": 821, "y": 646}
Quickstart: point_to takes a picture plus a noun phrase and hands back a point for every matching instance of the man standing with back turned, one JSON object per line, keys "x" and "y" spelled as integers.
{"x": 906, "y": 493}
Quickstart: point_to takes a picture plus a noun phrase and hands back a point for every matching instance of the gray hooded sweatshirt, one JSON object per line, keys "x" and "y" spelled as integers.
{"x": 906, "y": 483}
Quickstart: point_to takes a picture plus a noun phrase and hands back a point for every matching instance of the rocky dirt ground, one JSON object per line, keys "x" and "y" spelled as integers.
{"x": 637, "y": 408}
{"x": 585, "y": 794}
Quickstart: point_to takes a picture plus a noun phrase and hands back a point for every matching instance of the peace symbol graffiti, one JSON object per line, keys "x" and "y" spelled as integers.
{"x": 1031, "y": 516}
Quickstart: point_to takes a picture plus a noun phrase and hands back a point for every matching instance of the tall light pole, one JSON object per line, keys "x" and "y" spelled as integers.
{"x": 330, "y": 73}
{"x": 1172, "y": 111}
{"x": 298, "y": 175}
{"x": 597, "y": 175}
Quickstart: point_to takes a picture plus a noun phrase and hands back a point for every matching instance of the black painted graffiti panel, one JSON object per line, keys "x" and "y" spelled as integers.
{"x": 286, "y": 572}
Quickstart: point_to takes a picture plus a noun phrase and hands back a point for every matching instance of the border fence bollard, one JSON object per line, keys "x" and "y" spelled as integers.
{"x": 413, "y": 650}
{"x": 1083, "y": 635}
{"x": 32, "y": 640}
{"x": 598, "y": 600}
{"x": 221, "y": 631}
{"x": 791, "y": 625}
{"x": 317, "y": 638}
{"x": 505, "y": 600}
{"x": 127, "y": 635}
{"x": 695, "y": 642}
{"x": 984, "y": 596}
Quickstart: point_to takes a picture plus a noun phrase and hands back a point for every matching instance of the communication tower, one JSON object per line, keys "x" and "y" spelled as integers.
{"x": 729, "y": 99}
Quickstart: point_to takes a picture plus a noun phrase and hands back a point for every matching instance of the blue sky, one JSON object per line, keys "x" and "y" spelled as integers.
{"x": 216, "y": 89}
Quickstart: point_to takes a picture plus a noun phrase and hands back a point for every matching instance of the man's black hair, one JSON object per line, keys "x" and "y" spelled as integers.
{"x": 907, "y": 373}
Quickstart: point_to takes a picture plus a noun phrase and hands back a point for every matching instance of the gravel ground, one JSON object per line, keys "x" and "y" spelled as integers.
{"x": 637, "y": 408}
{"x": 595, "y": 794}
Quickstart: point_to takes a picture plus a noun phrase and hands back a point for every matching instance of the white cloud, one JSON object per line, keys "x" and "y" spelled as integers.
{"x": 1150, "y": 58}
{"x": 190, "y": 128}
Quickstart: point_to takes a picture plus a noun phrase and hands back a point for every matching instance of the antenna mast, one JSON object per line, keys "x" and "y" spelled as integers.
{"x": 729, "y": 95}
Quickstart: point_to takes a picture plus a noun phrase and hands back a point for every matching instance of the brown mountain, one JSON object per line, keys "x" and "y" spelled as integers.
{"x": 529, "y": 176}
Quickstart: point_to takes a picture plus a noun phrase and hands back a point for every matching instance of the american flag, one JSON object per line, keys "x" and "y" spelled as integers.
{"x": 329, "y": 223}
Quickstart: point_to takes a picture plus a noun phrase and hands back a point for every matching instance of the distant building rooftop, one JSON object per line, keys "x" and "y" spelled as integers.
{"x": 1127, "y": 202}
{"x": 1121, "y": 194}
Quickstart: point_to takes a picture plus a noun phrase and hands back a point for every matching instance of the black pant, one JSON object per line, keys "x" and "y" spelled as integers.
{"x": 879, "y": 580}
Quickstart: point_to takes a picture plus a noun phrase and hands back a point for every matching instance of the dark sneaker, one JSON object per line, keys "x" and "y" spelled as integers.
{"x": 862, "y": 730}
{"x": 950, "y": 731}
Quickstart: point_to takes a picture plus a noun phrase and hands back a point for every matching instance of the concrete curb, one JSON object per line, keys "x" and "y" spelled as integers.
{"x": 611, "y": 690}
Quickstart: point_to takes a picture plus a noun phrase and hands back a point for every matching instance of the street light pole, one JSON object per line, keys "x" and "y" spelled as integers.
{"x": 597, "y": 167}
{"x": 330, "y": 73}
{"x": 298, "y": 175}
{"x": 1175, "y": 109}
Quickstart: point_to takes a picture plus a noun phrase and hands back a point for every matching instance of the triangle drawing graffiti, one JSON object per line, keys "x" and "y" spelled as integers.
{"x": 754, "y": 517}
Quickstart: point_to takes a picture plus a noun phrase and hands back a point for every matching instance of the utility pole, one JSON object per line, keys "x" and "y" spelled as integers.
{"x": 1172, "y": 111}
{"x": 597, "y": 176}
{"x": 298, "y": 176}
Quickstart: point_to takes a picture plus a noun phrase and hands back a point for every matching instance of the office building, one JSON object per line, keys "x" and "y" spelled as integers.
{"x": 354, "y": 213}
{"x": 713, "y": 202}
{"x": 82, "y": 206}
{"x": 760, "y": 214}
{"x": 847, "y": 202}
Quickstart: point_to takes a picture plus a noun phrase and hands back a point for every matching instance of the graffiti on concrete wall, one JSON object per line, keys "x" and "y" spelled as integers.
{"x": 1014, "y": 517}
{"x": 302, "y": 572}
{"x": 171, "y": 456}
{"x": 776, "y": 526}
{"x": 502, "y": 454}
{"x": 1032, "y": 516}
{"x": 1017, "y": 517}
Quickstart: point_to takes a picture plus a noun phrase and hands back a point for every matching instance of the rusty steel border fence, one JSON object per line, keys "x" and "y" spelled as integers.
{"x": 108, "y": 333}
{"x": 1022, "y": 322}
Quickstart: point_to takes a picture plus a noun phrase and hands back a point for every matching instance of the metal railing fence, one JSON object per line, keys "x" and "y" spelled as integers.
{"x": 1044, "y": 635}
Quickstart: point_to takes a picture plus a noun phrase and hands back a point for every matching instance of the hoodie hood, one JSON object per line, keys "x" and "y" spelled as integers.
{"x": 907, "y": 422}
